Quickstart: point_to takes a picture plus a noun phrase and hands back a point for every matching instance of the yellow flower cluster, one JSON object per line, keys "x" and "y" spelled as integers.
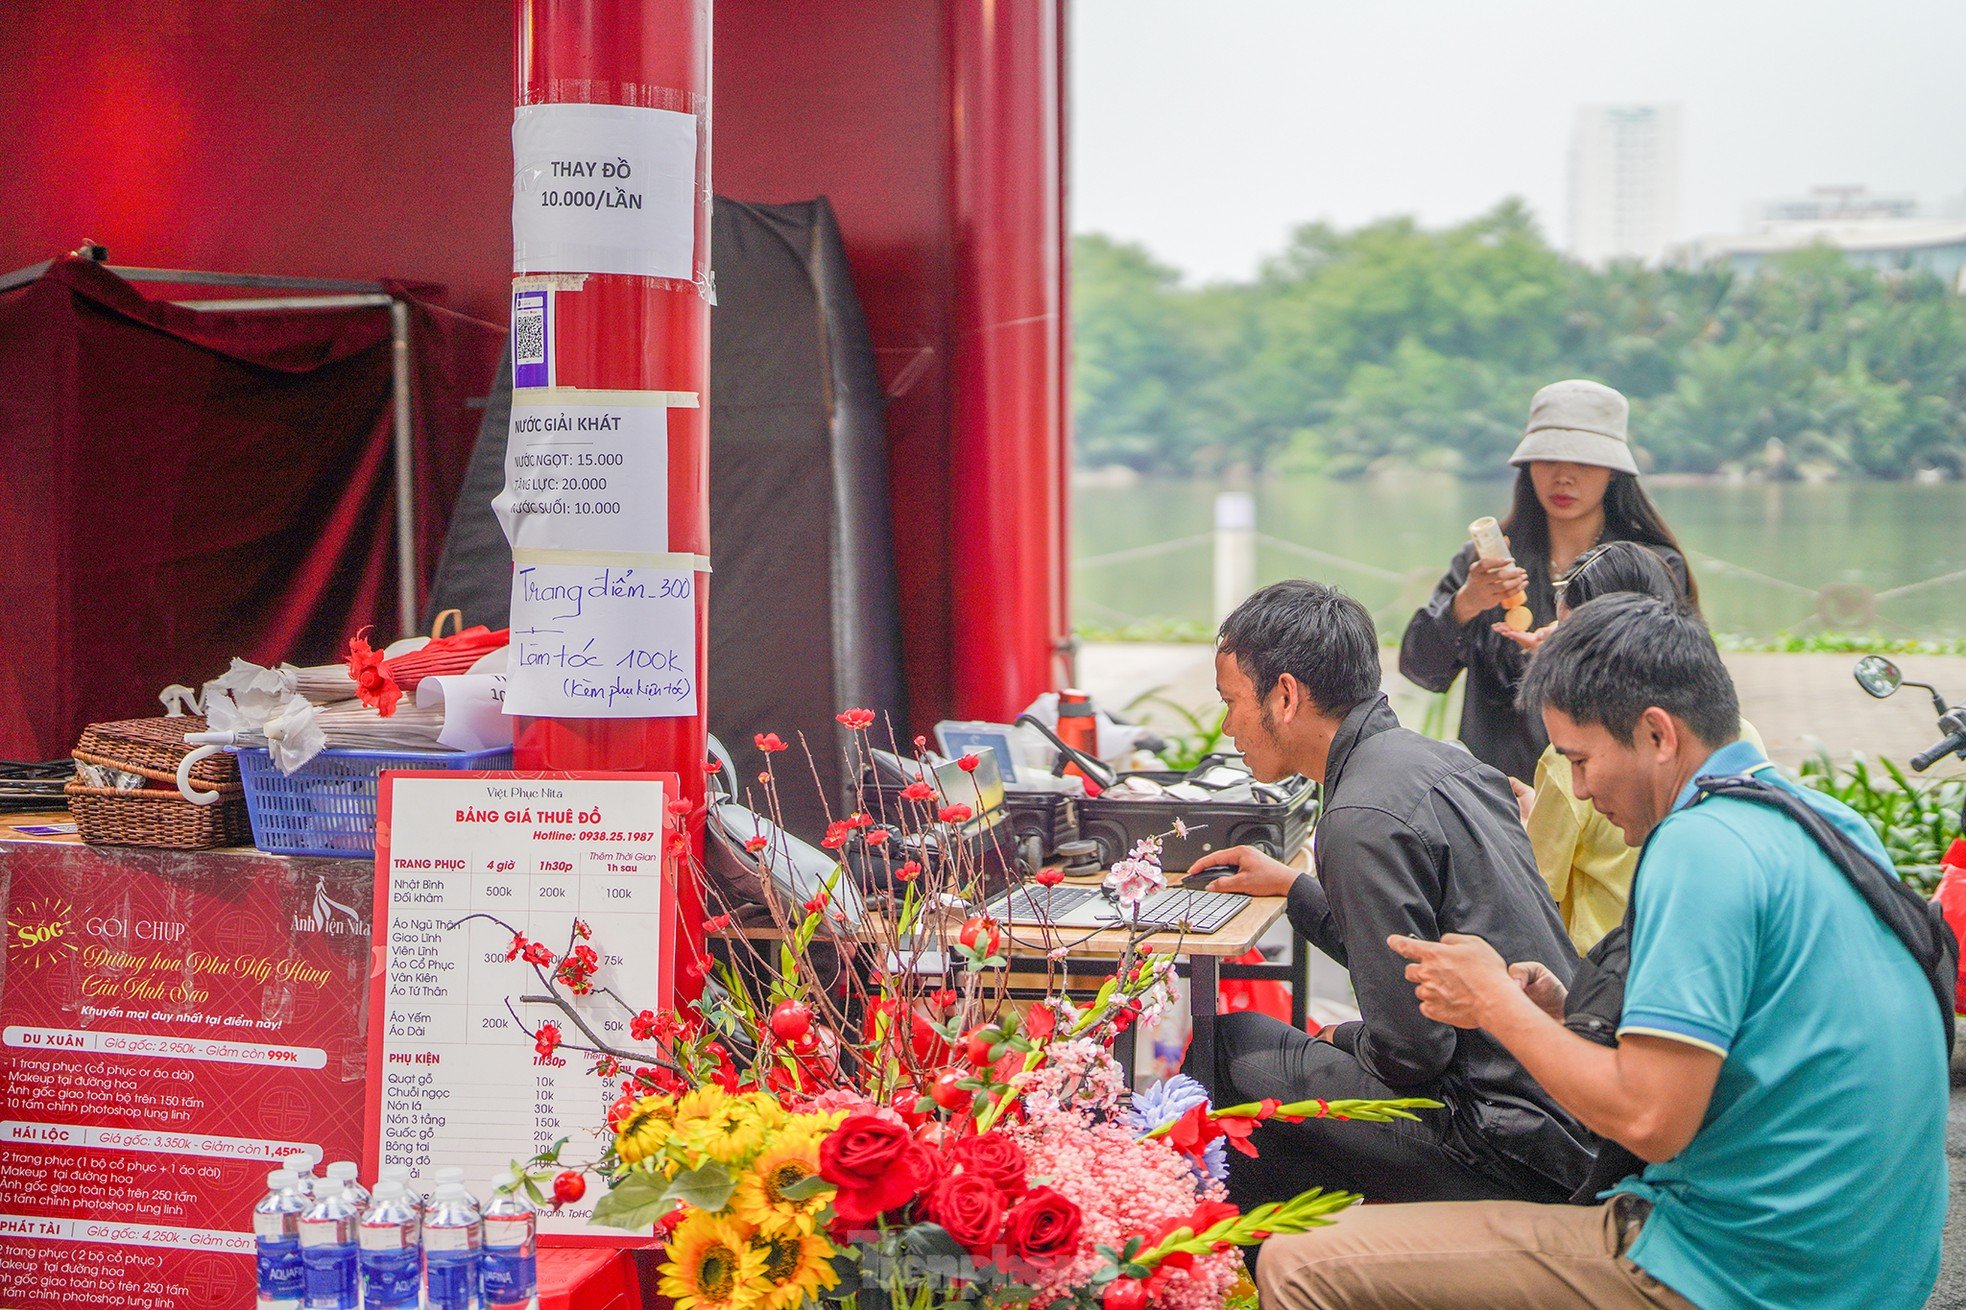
{"x": 762, "y": 1250}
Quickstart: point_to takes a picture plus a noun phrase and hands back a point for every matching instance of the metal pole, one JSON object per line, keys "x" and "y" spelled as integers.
{"x": 408, "y": 610}
{"x": 1235, "y": 550}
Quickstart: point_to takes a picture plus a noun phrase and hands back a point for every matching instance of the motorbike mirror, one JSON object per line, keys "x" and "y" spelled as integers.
{"x": 1878, "y": 676}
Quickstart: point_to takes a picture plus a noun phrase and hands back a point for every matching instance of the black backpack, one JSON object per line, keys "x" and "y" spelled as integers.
{"x": 1597, "y": 993}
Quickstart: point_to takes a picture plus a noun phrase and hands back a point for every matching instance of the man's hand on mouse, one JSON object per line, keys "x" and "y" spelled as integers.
{"x": 1254, "y": 873}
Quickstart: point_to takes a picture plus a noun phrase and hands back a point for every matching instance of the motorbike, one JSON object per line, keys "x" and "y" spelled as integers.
{"x": 1881, "y": 678}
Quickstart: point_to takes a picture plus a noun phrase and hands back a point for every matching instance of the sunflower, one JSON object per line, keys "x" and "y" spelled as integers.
{"x": 712, "y": 1265}
{"x": 797, "y": 1267}
{"x": 729, "y": 1135}
{"x": 645, "y": 1130}
{"x": 759, "y": 1199}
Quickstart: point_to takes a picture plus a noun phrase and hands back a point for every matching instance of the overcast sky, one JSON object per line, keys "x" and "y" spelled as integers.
{"x": 1208, "y": 130}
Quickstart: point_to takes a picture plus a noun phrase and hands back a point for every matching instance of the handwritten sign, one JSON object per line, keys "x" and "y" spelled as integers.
{"x": 588, "y": 470}
{"x": 463, "y": 863}
{"x": 604, "y": 189}
{"x": 594, "y": 641}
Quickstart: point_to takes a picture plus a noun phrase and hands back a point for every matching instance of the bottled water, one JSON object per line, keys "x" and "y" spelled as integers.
{"x": 450, "y": 1173}
{"x": 276, "y": 1234}
{"x": 400, "y": 1173}
{"x": 453, "y": 1235}
{"x": 342, "y": 1176}
{"x": 391, "y": 1250}
{"x": 511, "y": 1226}
{"x": 302, "y": 1163}
{"x": 327, "y": 1252}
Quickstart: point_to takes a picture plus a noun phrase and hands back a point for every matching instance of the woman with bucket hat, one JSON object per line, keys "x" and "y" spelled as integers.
{"x": 1576, "y": 485}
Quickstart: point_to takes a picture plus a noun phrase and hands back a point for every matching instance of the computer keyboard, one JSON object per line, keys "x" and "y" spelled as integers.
{"x": 1036, "y": 905}
{"x": 1197, "y": 911}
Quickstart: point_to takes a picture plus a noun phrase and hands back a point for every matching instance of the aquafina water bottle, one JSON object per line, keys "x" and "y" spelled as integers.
{"x": 391, "y": 1244}
{"x": 511, "y": 1229}
{"x": 453, "y": 1237}
{"x": 276, "y": 1238}
{"x": 327, "y": 1251}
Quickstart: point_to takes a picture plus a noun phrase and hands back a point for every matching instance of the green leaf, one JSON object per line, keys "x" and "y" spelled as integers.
{"x": 635, "y": 1202}
{"x": 806, "y": 1188}
{"x": 707, "y": 1187}
{"x": 929, "y": 1240}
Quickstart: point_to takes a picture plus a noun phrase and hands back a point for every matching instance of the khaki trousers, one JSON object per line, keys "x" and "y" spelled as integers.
{"x": 1460, "y": 1255}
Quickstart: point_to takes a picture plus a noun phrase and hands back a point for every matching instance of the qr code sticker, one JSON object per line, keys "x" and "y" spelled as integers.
{"x": 529, "y": 336}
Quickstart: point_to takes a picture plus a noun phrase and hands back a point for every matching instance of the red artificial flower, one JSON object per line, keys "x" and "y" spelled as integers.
{"x": 995, "y": 1157}
{"x": 836, "y": 834}
{"x": 713, "y": 766}
{"x": 373, "y": 685}
{"x": 1049, "y": 877}
{"x": 716, "y": 923}
{"x": 1042, "y": 1230}
{"x": 642, "y": 1026}
{"x": 817, "y": 905}
{"x": 858, "y": 720}
{"x": 878, "y": 837}
{"x": 1041, "y": 1023}
{"x": 756, "y": 844}
{"x": 859, "y": 819}
{"x": 967, "y": 763}
{"x": 918, "y": 791}
{"x": 537, "y": 953}
{"x": 908, "y": 872}
{"x": 1193, "y": 1131}
{"x": 943, "y": 998}
{"x": 519, "y": 945}
{"x": 982, "y": 935}
{"x": 681, "y": 806}
{"x": 1124, "y": 1294}
{"x": 866, "y": 1159}
{"x": 970, "y": 1209}
{"x": 955, "y": 813}
{"x": 769, "y": 742}
{"x": 606, "y": 1067}
{"x": 546, "y": 1040}
{"x": 582, "y": 931}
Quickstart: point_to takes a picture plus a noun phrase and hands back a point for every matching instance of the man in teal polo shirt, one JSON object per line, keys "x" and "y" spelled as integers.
{"x": 1780, "y": 1063}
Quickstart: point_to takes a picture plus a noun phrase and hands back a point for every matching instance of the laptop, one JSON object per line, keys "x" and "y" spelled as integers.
{"x": 1088, "y": 906}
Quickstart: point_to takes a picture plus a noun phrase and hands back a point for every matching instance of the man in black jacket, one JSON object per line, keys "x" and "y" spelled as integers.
{"x": 1416, "y": 838}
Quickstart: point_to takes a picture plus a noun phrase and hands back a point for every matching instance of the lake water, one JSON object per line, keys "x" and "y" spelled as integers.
{"x": 1771, "y": 559}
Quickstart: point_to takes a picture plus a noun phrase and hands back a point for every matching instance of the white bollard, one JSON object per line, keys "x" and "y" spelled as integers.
{"x": 1235, "y": 550}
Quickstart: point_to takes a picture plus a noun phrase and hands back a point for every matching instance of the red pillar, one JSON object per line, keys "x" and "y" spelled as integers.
{"x": 625, "y": 332}
{"x": 1007, "y": 476}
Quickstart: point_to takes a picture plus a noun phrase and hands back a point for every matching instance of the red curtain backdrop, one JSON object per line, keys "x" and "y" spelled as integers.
{"x": 184, "y": 486}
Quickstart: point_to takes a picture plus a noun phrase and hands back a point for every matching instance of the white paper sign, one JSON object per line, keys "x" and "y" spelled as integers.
{"x": 474, "y": 709}
{"x": 588, "y": 470}
{"x": 460, "y": 1083}
{"x": 604, "y": 189}
{"x": 602, "y": 641}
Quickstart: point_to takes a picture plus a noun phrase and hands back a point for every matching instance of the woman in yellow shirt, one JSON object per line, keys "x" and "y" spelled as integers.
{"x": 1583, "y": 856}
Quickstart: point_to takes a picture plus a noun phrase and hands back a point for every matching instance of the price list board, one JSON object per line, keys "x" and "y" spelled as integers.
{"x": 469, "y": 868}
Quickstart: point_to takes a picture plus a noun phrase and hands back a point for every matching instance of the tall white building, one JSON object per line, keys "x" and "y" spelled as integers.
{"x": 1624, "y": 182}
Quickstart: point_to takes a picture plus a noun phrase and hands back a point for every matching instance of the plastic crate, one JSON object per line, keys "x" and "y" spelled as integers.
{"x": 328, "y": 806}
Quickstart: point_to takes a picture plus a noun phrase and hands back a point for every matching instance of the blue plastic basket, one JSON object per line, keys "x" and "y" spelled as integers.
{"x": 328, "y": 806}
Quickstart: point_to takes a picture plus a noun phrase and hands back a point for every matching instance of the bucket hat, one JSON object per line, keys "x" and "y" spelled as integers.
{"x": 1578, "y": 422}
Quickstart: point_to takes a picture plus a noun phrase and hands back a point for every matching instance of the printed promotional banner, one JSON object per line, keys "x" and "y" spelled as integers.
{"x": 604, "y": 189}
{"x": 171, "y": 1026}
{"x": 487, "y": 885}
{"x": 588, "y": 470}
{"x": 601, "y": 641}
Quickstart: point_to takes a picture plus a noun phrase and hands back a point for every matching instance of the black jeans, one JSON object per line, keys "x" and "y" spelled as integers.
{"x": 1405, "y": 1160}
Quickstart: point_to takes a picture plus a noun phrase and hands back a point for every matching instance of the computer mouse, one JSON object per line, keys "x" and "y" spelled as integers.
{"x": 1200, "y": 880}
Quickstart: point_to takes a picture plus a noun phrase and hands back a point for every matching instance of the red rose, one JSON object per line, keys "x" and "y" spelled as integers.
{"x": 860, "y": 1159}
{"x": 970, "y": 1209}
{"x": 1043, "y": 1229}
{"x": 996, "y": 1158}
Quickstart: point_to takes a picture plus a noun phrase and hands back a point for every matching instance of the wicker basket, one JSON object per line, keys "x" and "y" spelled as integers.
{"x": 156, "y": 814}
